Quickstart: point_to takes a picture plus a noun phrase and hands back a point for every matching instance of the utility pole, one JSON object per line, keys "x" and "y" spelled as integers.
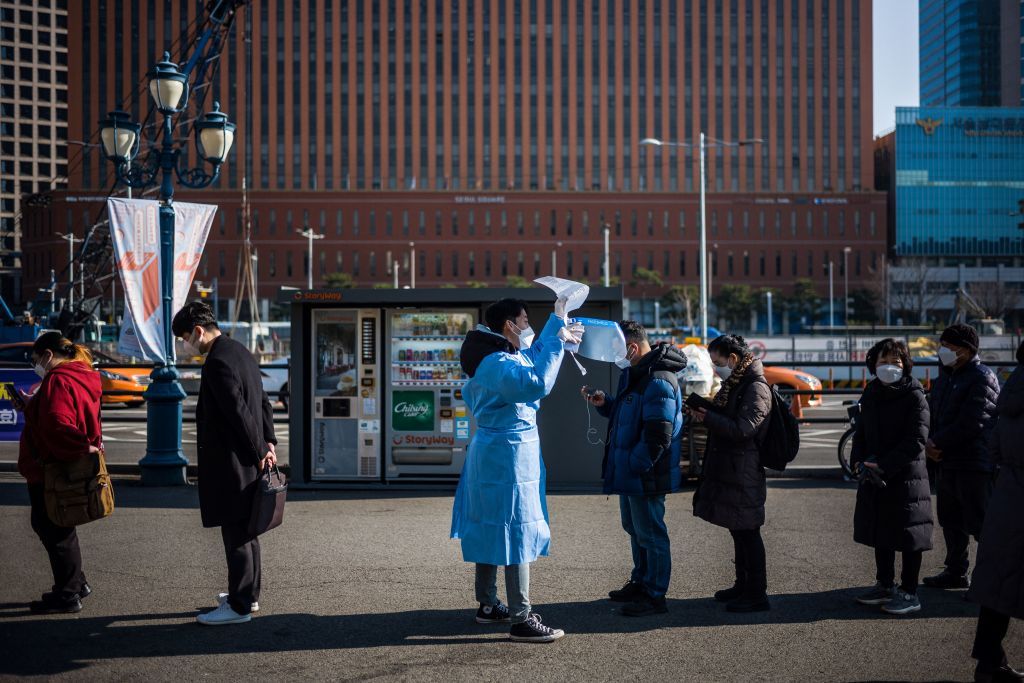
{"x": 71, "y": 239}
{"x": 308, "y": 233}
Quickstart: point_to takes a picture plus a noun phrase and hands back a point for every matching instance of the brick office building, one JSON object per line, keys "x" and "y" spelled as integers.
{"x": 490, "y": 133}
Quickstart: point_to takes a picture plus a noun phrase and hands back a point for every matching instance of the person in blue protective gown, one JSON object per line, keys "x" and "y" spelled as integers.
{"x": 500, "y": 514}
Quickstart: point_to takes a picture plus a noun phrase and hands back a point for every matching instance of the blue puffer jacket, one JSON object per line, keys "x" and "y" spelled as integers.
{"x": 645, "y": 427}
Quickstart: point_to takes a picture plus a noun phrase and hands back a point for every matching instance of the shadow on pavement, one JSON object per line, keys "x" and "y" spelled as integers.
{"x": 53, "y": 645}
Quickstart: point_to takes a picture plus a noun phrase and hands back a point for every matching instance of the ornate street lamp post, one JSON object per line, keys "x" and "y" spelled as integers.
{"x": 164, "y": 463}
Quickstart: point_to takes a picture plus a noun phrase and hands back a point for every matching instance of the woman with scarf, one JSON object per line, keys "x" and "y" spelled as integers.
{"x": 732, "y": 491}
{"x": 894, "y": 507}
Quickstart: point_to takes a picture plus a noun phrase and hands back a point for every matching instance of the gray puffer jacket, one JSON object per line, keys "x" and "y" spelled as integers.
{"x": 732, "y": 490}
{"x": 998, "y": 580}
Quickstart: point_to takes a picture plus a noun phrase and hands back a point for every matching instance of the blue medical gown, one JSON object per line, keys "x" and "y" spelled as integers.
{"x": 500, "y": 513}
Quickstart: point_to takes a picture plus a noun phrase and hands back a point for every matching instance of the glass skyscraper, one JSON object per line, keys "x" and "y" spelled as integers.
{"x": 958, "y": 179}
{"x": 959, "y": 53}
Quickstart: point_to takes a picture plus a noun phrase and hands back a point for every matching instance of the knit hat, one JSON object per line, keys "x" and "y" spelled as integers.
{"x": 961, "y": 335}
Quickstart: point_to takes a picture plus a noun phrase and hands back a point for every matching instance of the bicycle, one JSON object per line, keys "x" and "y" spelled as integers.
{"x": 846, "y": 440}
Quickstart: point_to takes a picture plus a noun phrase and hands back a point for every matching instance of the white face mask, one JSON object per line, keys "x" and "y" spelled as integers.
{"x": 190, "y": 348}
{"x": 626, "y": 362}
{"x": 889, "y": 374}
{"x": 40, "y": 369}
{"x": 525, "y": 336}
{"x": 947, "y": 356}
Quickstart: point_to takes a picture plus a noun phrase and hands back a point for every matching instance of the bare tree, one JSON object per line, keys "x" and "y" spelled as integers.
{"x": 910, "y": 292}
{"x": 996, "y": 298}
{"x": 682, "y": 300}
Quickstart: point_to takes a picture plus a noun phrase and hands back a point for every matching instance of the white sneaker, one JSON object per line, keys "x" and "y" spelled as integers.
{"x": 223, "y": 597}
{"x": 223, "y": 615}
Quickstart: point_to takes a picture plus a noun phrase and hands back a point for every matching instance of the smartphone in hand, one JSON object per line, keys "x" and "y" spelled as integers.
{"x": 19, "y": 399}
{"x": 696, "y": 401}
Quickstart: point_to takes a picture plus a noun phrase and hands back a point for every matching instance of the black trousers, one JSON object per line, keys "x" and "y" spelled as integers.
{"x": 988, "y": 639}
{"x": 962, "y": 497}
{"x": 750, "y": 558}
{"x": 885, "y": 565}
{"x": 244, "y": 570}
{"x": 61, "y": 544}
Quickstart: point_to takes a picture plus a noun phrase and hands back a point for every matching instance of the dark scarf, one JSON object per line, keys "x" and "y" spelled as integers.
{"x": 722, "y": 397}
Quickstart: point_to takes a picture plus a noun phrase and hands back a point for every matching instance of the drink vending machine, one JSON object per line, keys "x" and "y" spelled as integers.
{"x": 428, "y": 425}
{"x": 346, "y": 421}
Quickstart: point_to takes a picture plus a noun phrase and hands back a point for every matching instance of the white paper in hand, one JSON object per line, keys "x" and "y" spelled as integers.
{"x": 575, "y": 293}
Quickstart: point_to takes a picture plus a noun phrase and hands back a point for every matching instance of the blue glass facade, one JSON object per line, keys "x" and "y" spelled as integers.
{"x": 959, "y": 53}
{"x": 959, "y": 175}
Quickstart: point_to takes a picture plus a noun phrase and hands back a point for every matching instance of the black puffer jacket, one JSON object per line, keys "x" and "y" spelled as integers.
{"x": 732, "y": 491}
{"x": 998, "y": 580}
{"x": 892, "y": 431}
{"x": 963, "y": 404}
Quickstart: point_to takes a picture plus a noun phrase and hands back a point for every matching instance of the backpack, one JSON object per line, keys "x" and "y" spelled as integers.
{"x": 780, "y": 440}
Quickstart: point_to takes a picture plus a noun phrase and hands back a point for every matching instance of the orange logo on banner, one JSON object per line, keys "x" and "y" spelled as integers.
{"x": 150, "y": 278}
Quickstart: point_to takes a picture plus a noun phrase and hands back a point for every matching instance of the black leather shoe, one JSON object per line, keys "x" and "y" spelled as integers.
{"x": 727, "y": 594}
{"x": 85, "y": 592}
{"x": 628, "y": 593}
{"x": 947, "y": 580}
{"x": 749, "y": 603}
{"x": 1004, "y": 674}
{"x": 56, "y": 606}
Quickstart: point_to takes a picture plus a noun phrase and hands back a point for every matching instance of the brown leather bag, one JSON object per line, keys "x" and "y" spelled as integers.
{"x": 78, "y": 491}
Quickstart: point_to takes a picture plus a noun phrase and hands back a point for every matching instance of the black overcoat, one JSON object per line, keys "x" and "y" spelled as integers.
{"x": 235, "y": 422}
{"x": 893, "y": 431}
{"x": 998, "y": 579}
{"x": 732, "y": 490}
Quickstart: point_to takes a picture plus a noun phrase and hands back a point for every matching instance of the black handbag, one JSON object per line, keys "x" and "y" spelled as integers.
{"x": 268, "y": 502}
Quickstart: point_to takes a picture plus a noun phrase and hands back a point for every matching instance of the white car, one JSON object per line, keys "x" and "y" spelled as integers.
{"x": 275, "y": 380}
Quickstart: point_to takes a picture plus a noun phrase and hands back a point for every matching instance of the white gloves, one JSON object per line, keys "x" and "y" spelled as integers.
{"x": 560, "y": 305}
{"x": 571, "y": 334}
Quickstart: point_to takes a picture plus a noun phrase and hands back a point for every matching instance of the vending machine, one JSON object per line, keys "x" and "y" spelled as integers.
{"x": 428, "y": 425}
{"x": 346, "y": 421}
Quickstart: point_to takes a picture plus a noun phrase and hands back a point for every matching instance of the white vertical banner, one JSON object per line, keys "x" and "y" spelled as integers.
{"x": 135, "y": 228}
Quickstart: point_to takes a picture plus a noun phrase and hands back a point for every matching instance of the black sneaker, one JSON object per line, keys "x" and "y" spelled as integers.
{"x": 56, "y": 606}
{"x": 493, "y": 614}
{"x": 947, "y": 580}
{"x": 645, "y": 606}
{"x": 532, "y": 631}
{"x": 628, "y": 593}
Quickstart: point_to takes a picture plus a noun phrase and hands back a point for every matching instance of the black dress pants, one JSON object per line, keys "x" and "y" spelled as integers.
{"x": 61, "y": 544}
{"x": 988, "y": 639}
{"x": 962, "y": 497}
{"x": 751, "y": 558}
{"x": 244, "y": 571}
{"x": 885, "y": 565}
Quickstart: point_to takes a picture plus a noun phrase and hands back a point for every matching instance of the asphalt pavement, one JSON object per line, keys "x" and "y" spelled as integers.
{"x": 367, "y": 586}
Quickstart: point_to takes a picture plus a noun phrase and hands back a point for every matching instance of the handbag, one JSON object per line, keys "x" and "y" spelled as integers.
{"x": 268, "y": 502}
{"x": 78, "y": 491}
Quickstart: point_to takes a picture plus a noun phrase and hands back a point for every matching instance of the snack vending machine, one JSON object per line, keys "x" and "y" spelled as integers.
{"x": 346, "y": 421}
{"x": 428, "y": 426}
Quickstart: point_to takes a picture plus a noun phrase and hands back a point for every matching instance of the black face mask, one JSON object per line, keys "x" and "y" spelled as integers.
{"x": 1020, "y": 353}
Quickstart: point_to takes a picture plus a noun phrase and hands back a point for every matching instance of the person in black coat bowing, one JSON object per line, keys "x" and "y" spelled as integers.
{"x": 235, "y": 423}
{"x": 998, "y": 580}
{"x": 894, "y": 507}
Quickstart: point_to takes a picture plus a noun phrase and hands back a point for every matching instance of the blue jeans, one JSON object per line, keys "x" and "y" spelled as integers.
{"x": 517, "y": 588}
{"x": 643, "y": 518}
